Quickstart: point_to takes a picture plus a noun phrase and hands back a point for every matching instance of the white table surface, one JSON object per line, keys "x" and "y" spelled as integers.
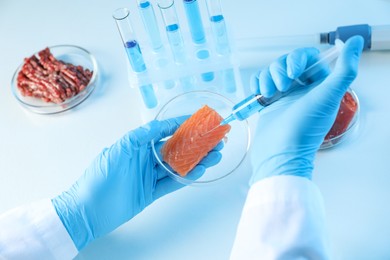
{"x": 42, "y": 155}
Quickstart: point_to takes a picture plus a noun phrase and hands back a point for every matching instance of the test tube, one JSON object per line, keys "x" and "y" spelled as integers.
{"x": 172, "y": 29}
{"x": 150, "y": 23}
{"x": 175, "y": 39}
{"x": 195, "y": 24}
{"x": 134, "y": 54}
{"x": 218, "y": 27}
{"x": 149, "y": 19}
{"x": 194, "y": 18}
{"x": 221, "y": 40}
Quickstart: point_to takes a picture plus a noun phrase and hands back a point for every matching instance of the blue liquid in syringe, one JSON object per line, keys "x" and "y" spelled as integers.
{"x": 138, "y": 65}
{"x": 176, "y": 42}
{"x": 218, "y": 27}
{"x": 149, "y": 20}
{"x": 191, "y": 8}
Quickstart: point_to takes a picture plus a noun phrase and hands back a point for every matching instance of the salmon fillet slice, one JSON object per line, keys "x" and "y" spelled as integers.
{"x": 192, "y": 140}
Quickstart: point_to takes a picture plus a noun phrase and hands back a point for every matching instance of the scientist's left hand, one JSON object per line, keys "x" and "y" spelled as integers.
{"x": 120, "y": 183}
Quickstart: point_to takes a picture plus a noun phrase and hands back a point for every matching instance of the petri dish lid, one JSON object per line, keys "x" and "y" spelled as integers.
{"x": 235, "y": 148}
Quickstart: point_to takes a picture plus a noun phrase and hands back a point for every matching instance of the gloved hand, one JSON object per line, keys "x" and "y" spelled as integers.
{"x": 290, "y": 131}
{"x": 120, "y": 183}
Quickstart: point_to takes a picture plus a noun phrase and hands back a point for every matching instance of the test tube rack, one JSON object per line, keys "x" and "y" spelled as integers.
{"x": 203, "y": 66}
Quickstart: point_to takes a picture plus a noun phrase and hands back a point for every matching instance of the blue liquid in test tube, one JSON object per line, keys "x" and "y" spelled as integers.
{"x": 134, "y": 54}
{"x": 172, "y": 28}
{"x": 194, "y": 18}
{"x": 176, "y": 42}
{"x": 218, "y": 28}
{"x": 138, "y": 65}
{"x": 150, "y": 23}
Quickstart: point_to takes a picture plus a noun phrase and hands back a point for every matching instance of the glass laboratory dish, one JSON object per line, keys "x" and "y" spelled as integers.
{"x": 235, "y": 147}
{"x": 336, "y": 135}
{"x": 69, "y": 54}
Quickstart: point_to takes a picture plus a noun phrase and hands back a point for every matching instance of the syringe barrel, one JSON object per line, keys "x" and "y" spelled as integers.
{"x": 255, "y": 103}
{"x": 247, "y": 107}
{"x": 265, "y": 101}
{"x": 316, "y": 72}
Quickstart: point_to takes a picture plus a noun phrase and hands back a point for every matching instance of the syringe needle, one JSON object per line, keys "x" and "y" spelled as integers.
{"x": 225, "y": 121}
{"x": 209, "y": 131}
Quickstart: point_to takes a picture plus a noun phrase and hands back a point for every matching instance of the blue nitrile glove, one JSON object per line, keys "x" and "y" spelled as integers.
{"x": 120, "y": 183}
{"x": 290, "y": 131}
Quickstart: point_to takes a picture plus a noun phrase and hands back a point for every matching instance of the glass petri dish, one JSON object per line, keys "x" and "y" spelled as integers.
{"x": 332, "y": 140}
{"x": 70, "y": 54}
{"x": 235, "y": 148}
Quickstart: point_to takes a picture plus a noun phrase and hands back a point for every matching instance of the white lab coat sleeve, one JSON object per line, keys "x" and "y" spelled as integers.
{"x": 283, "y": 218}
{"x": 34, "y": 231}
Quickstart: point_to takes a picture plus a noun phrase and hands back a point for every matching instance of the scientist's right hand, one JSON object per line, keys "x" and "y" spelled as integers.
{"x": 290, "y": 131}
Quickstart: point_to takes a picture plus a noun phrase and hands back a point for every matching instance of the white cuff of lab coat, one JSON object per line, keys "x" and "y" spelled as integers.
{"x": 34, "y": 232}
{"x": 283, "y": 218}
{"x": 283, "y": 188}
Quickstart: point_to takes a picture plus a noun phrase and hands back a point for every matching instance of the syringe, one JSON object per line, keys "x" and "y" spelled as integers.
{"x": 256, "y": 103}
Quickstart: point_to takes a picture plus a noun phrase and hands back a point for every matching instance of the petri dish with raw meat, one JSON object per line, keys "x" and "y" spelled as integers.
{"x": 346, "y": 121}
{"x": 206, "y": 110}
{"x": 55, "y": 79}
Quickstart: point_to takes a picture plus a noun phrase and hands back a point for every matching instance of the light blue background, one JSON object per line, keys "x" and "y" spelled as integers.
{"x": 43, "y": 155}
